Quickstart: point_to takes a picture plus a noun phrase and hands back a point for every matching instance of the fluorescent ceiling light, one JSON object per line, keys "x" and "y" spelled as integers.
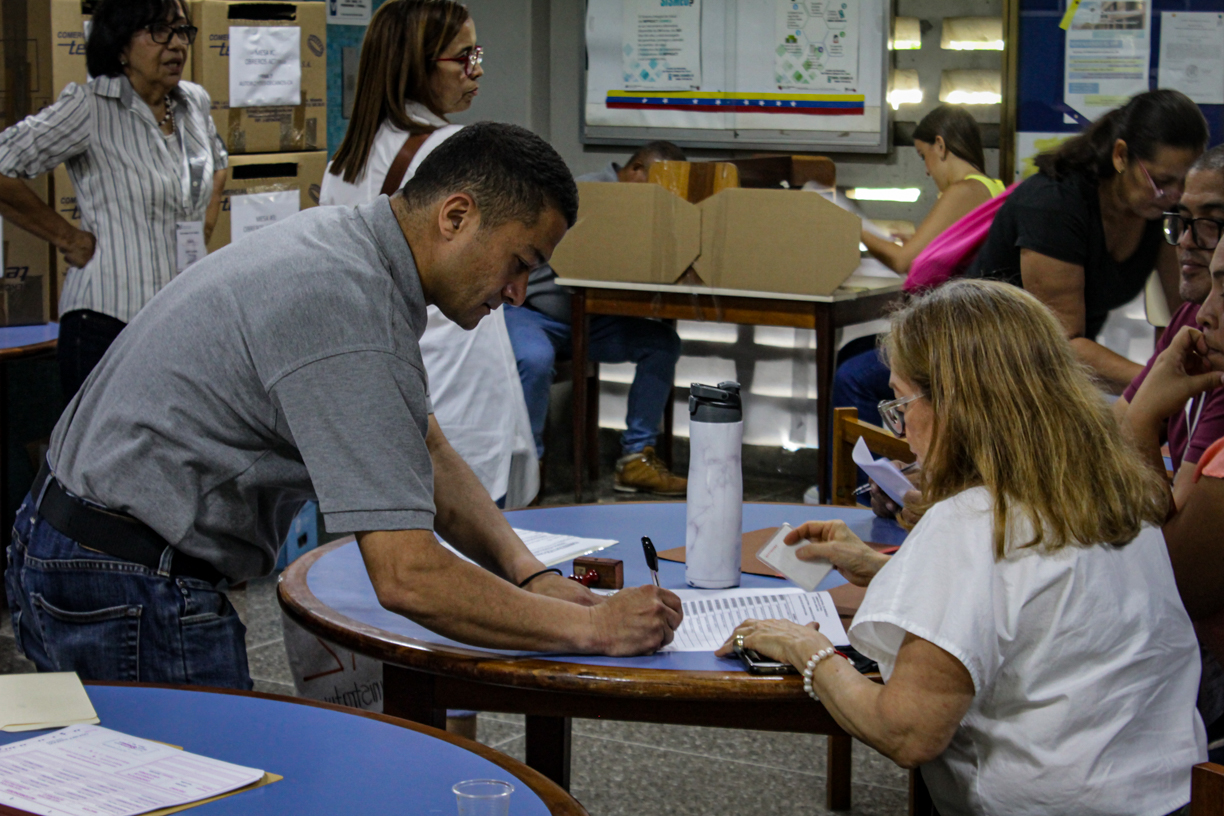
{"x": 907, "y": 195}
{"x": 904, "y": 88}
{"x": 906, "y": 34}
{"x": 971, "y": 87}
{"x": 972, "y": 34}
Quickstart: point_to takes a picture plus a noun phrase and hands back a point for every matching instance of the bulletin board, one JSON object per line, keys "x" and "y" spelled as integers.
{"x": 1070, "y": 67}
{"x": 756, "y": 74}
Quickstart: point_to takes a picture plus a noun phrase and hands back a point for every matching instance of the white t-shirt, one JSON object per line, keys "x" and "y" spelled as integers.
{"x": 473, "y": 378}
{"x": 1085, "y": 666}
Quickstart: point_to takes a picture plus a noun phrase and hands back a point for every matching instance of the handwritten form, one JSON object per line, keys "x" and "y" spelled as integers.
{"x": 711, "y": 616}
{"x": 86, "y": 770}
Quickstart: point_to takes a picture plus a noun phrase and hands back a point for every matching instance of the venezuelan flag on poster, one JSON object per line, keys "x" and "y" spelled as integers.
{"x": 727, "y": 102}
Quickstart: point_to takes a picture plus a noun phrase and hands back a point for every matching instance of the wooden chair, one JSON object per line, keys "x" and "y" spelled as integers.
{"x": 1207, "y": 790}
{"x": 771, "y": 171}
{"x": 847, "y": 430}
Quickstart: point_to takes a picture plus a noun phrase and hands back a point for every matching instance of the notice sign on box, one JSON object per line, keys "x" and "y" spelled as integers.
{"x": 265, "y": 66}
{"x": 254, "y": 211}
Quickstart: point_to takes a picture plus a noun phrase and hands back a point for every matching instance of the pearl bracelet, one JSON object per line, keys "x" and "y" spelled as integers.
{"x": 811, "y": 667}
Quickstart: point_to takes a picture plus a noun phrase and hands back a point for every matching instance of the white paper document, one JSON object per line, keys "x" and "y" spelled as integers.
{"x": 552, "y": 548}
{"x": 817, "y": 45}
{"x": 349, "y": 12}
{"x": 50, "y": 700}
{"x": 661, "y": 45}
{"x": 710, "y": 616}
{"x": 85, "y": 770}
{"x": 1192, "y": 54}
{"x": 1107, "y": 55}
{"x": 265, "y": 66}
{"x": 781, "y": 556}
{"x": 254, "y": 211}
{"x": 883, "y": 472}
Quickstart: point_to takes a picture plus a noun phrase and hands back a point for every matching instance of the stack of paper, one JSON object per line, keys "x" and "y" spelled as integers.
{"x": 32, "y": 701}
{"x": 85, "y": 770}
{"x": 552, "y": 548}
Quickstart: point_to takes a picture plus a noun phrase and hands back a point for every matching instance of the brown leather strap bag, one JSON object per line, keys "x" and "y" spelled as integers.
{"x": 395, "y": 175}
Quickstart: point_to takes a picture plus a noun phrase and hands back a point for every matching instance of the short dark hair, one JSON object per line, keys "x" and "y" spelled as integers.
{"x": 658, "y": 151}
{"x": 511, "y": 173}
{"x": 114, "y": 24}
{"x": 1211, "y": 161}
{"x": 959, "y": 131}
{"x": 1149, "y": 121}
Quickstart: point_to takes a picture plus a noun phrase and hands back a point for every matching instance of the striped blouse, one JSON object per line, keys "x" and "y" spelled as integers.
{"x": 133, "y": 183}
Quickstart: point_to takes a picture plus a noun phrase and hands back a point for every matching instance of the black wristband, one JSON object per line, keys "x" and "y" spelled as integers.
{"x": 523, "y": 583}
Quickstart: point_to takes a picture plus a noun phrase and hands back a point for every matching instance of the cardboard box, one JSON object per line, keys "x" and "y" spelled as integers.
{"x": 25, "y": 290}
{"x": 264, "y": 129}
{"x": 633, "y": 233}
{"x": 783, "y": 241}
{"x": 26, "y": 59}
{"x": 299, "y": 173}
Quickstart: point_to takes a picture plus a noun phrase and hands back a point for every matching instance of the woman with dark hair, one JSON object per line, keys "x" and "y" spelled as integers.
{"x": 419, "y": 64}
{"x": 144, "y": 157}
{"x": 950, "y": 145}
{"x": 1084, "y": 233}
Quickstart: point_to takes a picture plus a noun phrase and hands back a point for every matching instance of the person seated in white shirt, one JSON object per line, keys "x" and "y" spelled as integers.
{"x": 1036, "y": 656}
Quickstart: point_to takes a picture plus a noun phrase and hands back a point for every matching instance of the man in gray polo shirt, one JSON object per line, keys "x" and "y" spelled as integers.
{"x": 284, "y": 368}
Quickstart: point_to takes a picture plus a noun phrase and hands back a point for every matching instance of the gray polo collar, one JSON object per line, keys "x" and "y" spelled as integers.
{"x": 391, "y": 242}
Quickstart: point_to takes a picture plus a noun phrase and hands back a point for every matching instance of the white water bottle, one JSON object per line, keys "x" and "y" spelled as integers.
{"x": 715, "y": 486}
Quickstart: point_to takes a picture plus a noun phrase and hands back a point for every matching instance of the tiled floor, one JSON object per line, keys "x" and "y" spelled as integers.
{"x": 627, "y": 768}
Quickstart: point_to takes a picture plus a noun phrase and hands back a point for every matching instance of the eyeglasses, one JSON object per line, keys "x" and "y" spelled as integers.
{"x": 893, "y": 416}
{"x": 162, "y": 33}
{"x": 1160, "y": 193}
{"x": 470, "y": 60}
{"x": 1204, "y": 232}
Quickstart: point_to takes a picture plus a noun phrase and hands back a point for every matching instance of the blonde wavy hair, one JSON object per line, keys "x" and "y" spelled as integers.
{"x": 1017, "y": 413}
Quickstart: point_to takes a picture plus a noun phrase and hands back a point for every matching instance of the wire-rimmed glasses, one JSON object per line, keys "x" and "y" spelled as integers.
{"x": 470, "y": 60}
{"x": 893, "y": 416}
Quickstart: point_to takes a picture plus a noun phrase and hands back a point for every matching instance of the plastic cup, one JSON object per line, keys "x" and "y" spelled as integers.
{"x": 483, "y": 797}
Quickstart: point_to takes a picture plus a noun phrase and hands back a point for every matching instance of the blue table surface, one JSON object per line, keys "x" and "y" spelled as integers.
{"x": 332, "y": 762}
{"x": 15, "y": 336}
{"x": 339, "y": 578}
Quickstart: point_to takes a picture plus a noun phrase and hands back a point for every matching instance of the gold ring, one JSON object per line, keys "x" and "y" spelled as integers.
{"x": 739, "y": 642}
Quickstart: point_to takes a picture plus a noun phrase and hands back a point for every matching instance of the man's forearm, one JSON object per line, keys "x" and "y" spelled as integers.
{"x": 415, "y": 577}
{"x": 469, "y": 520}
{"x": 1113, "y": 370}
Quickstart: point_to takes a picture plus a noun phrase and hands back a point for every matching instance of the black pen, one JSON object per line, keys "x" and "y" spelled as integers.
{"x": 652, "y": 559}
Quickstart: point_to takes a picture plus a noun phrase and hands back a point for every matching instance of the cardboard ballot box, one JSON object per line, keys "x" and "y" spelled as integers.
{"x": 265, "y": 66}
{"x": 25, "y": 290}
{"x": 631, "y": 233}
{"x": 783, "y": 241}
{"x": 263, "y": 189}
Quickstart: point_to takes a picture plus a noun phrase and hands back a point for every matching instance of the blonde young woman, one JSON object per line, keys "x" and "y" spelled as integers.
{"x": 420, "y": 63}
{"x": 1036, "y": 656}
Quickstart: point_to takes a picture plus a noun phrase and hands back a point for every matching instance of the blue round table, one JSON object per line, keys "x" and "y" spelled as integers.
{"x": 333, "y": 759}
{"x": 329, "y": 593}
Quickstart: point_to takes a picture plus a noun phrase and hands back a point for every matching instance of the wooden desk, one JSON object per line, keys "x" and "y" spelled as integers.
{"x": 329, "y": 593}
{"x": 824, "y": 314}
{"x": 333, "y": 759}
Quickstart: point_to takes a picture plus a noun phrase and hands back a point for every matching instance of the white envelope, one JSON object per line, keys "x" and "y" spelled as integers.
{"x": 807, "y": 574}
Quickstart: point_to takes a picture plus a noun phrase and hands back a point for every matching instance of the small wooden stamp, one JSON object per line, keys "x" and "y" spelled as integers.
{"x": 611, "y": 571}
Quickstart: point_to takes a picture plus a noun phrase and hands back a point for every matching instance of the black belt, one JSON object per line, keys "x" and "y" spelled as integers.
{"x": 116, "y": 534}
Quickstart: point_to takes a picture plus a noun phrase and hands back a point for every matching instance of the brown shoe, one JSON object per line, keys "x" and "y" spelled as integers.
{"x": 643, "y": 472}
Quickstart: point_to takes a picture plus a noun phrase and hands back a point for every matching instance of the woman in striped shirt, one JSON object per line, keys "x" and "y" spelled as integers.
{"x": 143, "y": 154}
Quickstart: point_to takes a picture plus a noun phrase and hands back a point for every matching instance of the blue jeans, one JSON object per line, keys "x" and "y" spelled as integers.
{"x": 76, "y": 609}
{"x": 861, "y": 382}
{"x": 653, "y": 346}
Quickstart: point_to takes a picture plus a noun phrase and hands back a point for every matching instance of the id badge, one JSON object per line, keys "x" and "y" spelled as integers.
{"x": 189, "y": 237}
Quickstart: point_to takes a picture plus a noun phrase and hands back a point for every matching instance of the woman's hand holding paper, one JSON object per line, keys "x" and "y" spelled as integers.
{"x": 833, "y": 540}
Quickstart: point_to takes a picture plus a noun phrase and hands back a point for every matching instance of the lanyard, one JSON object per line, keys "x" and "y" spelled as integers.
{"x": 1193, "y": 416}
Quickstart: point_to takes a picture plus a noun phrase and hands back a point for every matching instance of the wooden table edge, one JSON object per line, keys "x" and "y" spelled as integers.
{"x": 17, "y": 352}
{"x": 301, "y": 605}
{"x": 555, "y": 799}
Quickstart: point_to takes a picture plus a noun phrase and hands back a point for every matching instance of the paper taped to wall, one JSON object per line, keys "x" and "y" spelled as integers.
{"x": 265, "y": 66}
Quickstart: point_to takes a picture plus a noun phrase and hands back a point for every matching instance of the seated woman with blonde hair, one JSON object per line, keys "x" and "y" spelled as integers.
{"x": 1035, "y": 654}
